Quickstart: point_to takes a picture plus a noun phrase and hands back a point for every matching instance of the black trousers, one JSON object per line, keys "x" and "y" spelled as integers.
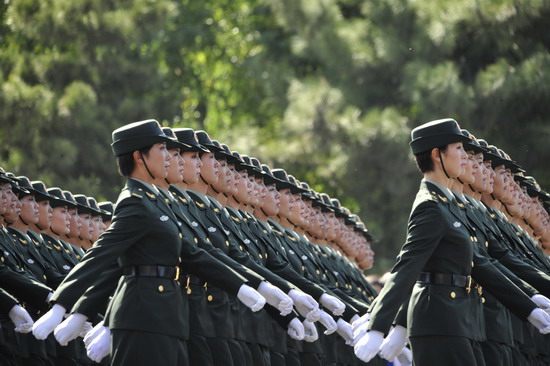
{"x": 444, "y": 350}
{"x": 497, "y": 354}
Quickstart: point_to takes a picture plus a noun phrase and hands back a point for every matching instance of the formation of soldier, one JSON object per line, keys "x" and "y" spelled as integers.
{"x": 209, "y": 257}
{"x": 200, "y": 239}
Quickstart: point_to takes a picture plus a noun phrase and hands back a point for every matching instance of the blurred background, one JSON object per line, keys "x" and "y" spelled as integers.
{"x": 327, "y": 89}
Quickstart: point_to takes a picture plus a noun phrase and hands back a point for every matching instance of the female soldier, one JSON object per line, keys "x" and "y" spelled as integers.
{"x": 145, "y": 314}
{"x": 439, "y": 257}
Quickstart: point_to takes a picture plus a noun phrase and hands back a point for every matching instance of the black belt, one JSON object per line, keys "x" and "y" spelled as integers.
{"x": 170, "y": 272}
{"x": 449, "y": 279}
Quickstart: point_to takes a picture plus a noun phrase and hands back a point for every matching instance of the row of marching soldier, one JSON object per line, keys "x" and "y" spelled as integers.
{"x": 208, "y": 257}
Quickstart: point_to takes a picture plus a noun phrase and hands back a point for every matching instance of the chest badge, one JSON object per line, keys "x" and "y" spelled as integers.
{"x": 164, "y": 218}
{"x": 457, "y": 224}
{"x": 211, "y": 229}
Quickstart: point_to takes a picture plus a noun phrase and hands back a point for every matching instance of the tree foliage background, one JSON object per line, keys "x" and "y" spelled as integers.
{"x": 328, "y": 89}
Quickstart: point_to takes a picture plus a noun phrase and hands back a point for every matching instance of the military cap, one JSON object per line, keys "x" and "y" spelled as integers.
{"x": 496, "y": 158}
{"x": 250, "y": 168}
{"x": 82, "y": 204}
{"x": 509, "y": 163}
{"x": 16, "y": 187}
{"x": 473, "y": 144}
{"x": 337, "y": 208}
{"x": 240, "y": 165}
{"x": 434, "y": 134}
{"x": 307, "y": 194}
{"x": 107, "y": 209}
{"x": 58, "y": 198}
{"x": 136, "y": 136}
{"x": 327, "y": 202}
{"x": 188, "y": 137}
{"x": 283, "y": 182}
{"x": 228, "y": 155}
{"x": 533, "y": 188}
{"x": 224, "y": 154}
{"x": 173, "y": 142}
{"x": 41, "y": 192}
{"x": 70, "y": 198}
{"x": 93, "y": 205}
{"x": 350, "y": 219}
{"x": 269, "y": 178}
{"x": 3, "y": 177}
{"x": 205, "y": 141}
{"x": 296, "y": 184}
{"x": 39, "y": 195}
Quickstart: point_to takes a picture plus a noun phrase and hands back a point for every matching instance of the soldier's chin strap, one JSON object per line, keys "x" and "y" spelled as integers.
{"x": 146, "y": 167}
{"x": 443, "y": 164}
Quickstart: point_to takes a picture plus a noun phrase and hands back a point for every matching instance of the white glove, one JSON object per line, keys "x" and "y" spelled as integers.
{"x": 276, "y": 298}
{"x": 353, "y": 319}
{"x": 47, "y": 323}
{"x": 344, "y": 330}
{"x": 49, "y": 297}
{"x": 542, "y": 302}
{"x": 394, "y": 343}
{"x": 296, "y": 329}
{"x": 85, "y": 329}
{"x": 540, "y": 320}
{"x": 21, "y": 318}
{"x": 368, "y": 346}
{"x": 405, "y": 357}
{"x": 311, "y": 334}
{"x": 360, "y": 330}
{"x": 328, "y": 323}
{"x": 70, "y": 328}
{"x": 306, "y": 305}
{"x": 356, "y": 323}
{"x": 333, "y": 304}
{"x": 99, "y": 346}
{"x": 251, "y": 298}
{"x": 93, "y": 333}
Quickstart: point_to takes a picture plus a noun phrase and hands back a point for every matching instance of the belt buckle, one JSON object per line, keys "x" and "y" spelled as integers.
{"x": 177, "y": 277}
{"x": 469, "y": 286}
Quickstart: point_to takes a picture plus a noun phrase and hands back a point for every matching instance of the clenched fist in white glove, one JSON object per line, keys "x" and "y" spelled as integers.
{"x": 356, "y": 323}
{"x": 70, "y": 328}
{"x": 276, "y": 297}
{"x": 98, "y": 346}
{"x": 328, "y": 323}
{"x": 542, "y": 302}
{"x": 21, "y": 318}
{"x": 369, "y": 345}
{"x": 296, "y": 329}
{"x": 94, "y": 332}
{"x": 394, "y": 343}
{"x": 333, "y": 304}
{"x": 306, "y": 305}
{"x": 311, "y": 334}
{"x": 344, "y": 330}
{"x": 251, "y": 298}
{"x": 47, "y": 323}
{"x": 540, "y": 320}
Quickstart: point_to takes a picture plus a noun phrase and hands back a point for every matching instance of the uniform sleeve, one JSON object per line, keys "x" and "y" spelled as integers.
{"x": 488, "y": 276}
{"x": 425, "y": 230}
{"x": 22, "y": 287}
{"x": 6, "y": 302}
{"x": 126, "y": 229}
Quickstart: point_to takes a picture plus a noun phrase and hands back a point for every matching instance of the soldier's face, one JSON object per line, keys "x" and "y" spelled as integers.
{"x": 86, "y": 229}
{"x": 221, "y": 183}
{"x": 271, "y": 202}
{"x": 490, "y": 177}
{"x": 158, "y": 160}
{"x": 29, "y": 210}
{"x": 236, "y": 180}
{"x": 98, "y": 227}
{"x": 262, "y": 190}
{"x": 209, "y": 169}
{"x": 468, "y": 177}
{"x": 500, "y": 182}
{"x": 175, "y": 170}
{"x": 3, "y": 198}
{"x": 191, "y": 167}
{"x": 14, "y": 209}
{"x": 243, "y": 188}
{"x": 480, "y": 174}
{"x": 286, "y": 201}
{"x": 454, "y": 159}
{"x": 75, "y": 223}
{"x": 60, "y": 221}
{"x": 45, "y": 214}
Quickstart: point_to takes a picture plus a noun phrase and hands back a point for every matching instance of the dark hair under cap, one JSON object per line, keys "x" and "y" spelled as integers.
{"x": 58, "y": 199}
{"x": 205, "y": 141}
{"x": 70, "y": 198}
{"x": 137, "y": 135}
{"x": 434, "y": 134}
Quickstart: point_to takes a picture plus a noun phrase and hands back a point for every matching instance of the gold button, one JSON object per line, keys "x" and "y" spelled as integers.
{"x": 487, "y": 244}
{"x": 45, "y": 277}
{"x": 227, "y": 242}
{"x": 472, "y": 264}
{"x": 161, "y": 288}
{"x": 336, "y": 283}
{"x": 472, "y": 238}
{"x": 453, "y": 294}
{"x": 260, "y": 255}
{"x": 210, "y": 298}
{"x": 240, "y": 247}
{"x": 483, "y": 300}
{"x": 475, "y": 239}
{"x": 303, "y": 268}
{"x": 181, "y": 236}
{"x": 2, "y": 259}
{"x": 196, "y": 240}
{"x": 318, "y": 272}
{"x": 189, "y": 291}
